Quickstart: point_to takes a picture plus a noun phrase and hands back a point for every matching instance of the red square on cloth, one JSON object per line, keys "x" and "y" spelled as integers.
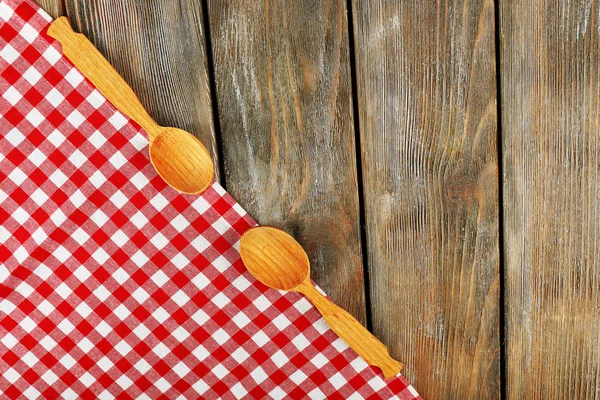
{"x": 112, "y": 284}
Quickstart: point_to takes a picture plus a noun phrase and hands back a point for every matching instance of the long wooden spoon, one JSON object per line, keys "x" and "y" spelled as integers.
{"x": 179, "y": 158}
{"x": 276, "y": 259}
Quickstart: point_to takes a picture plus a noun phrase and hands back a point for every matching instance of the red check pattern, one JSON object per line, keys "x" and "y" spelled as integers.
{"x": 113, "y": 285}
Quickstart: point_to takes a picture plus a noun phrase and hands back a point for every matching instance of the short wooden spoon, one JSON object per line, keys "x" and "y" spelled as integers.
{"x": 179, "y": 158}
{"x": 276, "y": 259}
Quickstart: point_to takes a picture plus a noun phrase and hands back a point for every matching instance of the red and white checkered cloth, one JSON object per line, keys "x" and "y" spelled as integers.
{"x": 113, "y": 285}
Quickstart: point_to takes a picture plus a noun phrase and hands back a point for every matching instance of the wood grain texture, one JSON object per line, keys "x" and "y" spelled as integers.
{"x": 159, "y": 48}
{"x": 53, "y": 7}
{"x": 284, "y": 104}
{"x": 428, "y": 124}
{"x": 550, "y": 63}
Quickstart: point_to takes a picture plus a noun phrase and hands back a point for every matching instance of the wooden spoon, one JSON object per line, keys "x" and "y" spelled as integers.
{"x": 276, "y": 259}
{"x": 178, "y": 157}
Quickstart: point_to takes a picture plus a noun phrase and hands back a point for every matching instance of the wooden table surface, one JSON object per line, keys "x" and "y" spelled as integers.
{"x": 438, "y": 160}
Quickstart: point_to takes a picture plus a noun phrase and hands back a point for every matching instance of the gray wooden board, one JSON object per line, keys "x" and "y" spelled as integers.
{"x": 428, "y": 124}
{"x": 551, "y": 155}
{"x": 284, "y": 95}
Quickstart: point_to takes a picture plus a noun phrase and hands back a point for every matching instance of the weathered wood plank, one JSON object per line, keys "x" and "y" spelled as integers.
{"x": 53, "y": 7}
{"x": 551, "y": 147}
{"x": 284, "y": 103}
{"x": 159, "y": 48}
{"x": 428, "y": 125}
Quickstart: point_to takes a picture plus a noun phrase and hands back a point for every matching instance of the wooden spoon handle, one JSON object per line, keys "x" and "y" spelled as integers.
{"x": 352, "y": 332}
{"x": 98, "y": 70}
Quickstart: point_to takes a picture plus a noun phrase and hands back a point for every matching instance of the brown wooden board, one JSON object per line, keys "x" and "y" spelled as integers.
{"x": 550, "y": 80}
{"x": 159, "y": 48}
{"x": 284, "y": 96}
{"x": 53, "y": 7}
{"x": 426, "y": 83}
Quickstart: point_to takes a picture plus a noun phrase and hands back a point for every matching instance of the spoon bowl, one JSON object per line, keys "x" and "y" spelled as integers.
{"x": 277, "y": 260}
{"x": 181, "y": 160}
{"x": 274, "y": 258}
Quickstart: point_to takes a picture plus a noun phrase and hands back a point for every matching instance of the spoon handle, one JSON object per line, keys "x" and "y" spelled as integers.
{"x": 98, "y": 70}
{"x": 352, "y": 332}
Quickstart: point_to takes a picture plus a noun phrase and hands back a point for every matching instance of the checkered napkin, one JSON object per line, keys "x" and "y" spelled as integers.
{"x": 113, "y": 285}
